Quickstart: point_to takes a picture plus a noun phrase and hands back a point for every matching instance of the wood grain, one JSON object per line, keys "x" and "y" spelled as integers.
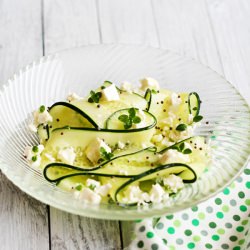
{"x": 24, "y": 221}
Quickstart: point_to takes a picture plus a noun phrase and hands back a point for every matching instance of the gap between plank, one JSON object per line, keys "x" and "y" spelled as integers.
{"x": 98, "y": 20}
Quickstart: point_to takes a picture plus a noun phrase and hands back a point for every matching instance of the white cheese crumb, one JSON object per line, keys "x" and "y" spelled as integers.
{"x": 90, "y": 196}
{"x": 33, "y": 158}
{"x": 42, "y": 117}
{"x": 32, "y": 127}
{"x": 104, "y": 189}
{"x": 92, "y": 183}
{"x": 28, "y": 153}
{"x": 49, "y": 157}
{"x": 110, "y": 93}
{"x": 173, "y": 182}
{"x": 175, "y": 100}
{"x": 171, "y": 156}
{"x": 67, "y": 155}
{"x": 139, "y": 125}
{"x": 93, "y": 150}
{"x": 126, "y": 86}
{"x": 156, "y": 193}
{"x": 73, "y": 97}
{"x": 150, "y": 83}
{"x": 190, "y": 118}
{"x": 122, "y": 171}
{"x": 157, "y": 138}
{"x": 121, "y": 145}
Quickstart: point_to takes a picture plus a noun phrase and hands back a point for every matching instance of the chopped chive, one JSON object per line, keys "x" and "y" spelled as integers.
{"x": 42, "y": 109}
{"x": 78, "y": 187}
{"x": 35, "y": 149}
{"x": 197, "y": 118}
{"x": 187, "y": 151}
{"x": 181, "y": 127}
{"x": 34, "y": 158}
{"x": 92, "y": 187}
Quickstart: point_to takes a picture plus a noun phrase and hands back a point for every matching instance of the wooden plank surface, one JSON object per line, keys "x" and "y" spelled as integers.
{"x": 24, "y": 221}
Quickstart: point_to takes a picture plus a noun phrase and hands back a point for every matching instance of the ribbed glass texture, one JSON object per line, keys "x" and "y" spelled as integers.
{"x": 82, "y": 69}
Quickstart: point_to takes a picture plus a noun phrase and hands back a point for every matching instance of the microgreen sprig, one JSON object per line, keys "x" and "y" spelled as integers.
{"x": 105, "y": 155}
{"x": 129, "y": 119}
{"x": 181, "y": 148}
{"x": 94, "y": 96}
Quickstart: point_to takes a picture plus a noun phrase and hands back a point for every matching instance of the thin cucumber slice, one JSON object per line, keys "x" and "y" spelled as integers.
{"x": 148, "y": 98}
{"x": 194, "y": 103}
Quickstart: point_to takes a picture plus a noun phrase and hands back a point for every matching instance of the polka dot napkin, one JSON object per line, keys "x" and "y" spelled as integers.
{"x": 222, "y": 222}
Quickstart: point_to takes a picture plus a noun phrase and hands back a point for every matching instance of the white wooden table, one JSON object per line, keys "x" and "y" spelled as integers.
{"x": 215, "y": 32}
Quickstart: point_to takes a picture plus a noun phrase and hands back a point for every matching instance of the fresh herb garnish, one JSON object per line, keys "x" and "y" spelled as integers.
{"x": 35, "y": 149}
{"x": 181, "y": 148}
{"x": 153, "y": 91}
{"x": 34, "y": 158}
{"x": 94, "y": 96}
{"x": 181, "y": 127}
{"x": 130, "y": 119}
{"x": 42, "y": 109}
{"x": 92, "y": 187}
{"x": 197, "y": 118}
{"x": 105, "y": 155}
{"x": 78, "y": 187}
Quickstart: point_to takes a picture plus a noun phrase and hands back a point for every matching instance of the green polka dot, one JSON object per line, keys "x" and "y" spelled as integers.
{"x": 177, "y": 223}
{"x": 171, "y": 247}
{"x": 154, "y": 246}
{"x": 247, "y": 171}
{"x": 142, "y": 228}
{"x": 171, "y": 230}
{"x": 219, "y": 215}
{"x": 204, "y": 232}
{"x": 150, "y": 235}
{"x": 195, "y": 222}
{"x": 241, "y": 195}
{"x": 138, "y": 221}
{"x": 236, "y": 248}
{"x": 225, "y": 246}
{"x": 236, "y": 217}
{"x": 165, "y": 241}
{"x": 188, "y": 232}
{"x": 247, "y": 202}
{"x": 194, "y": 209}
{"x": 213, "y": 137}
{"x": 179, "y": 241}
{"x": 170, "y": 217}
{"x": 185, "y": 216}
{"x": 140, "y": 244}
{"x": 209, "y": 209}
{"x": 212, "y": 225}
{"x": 239, "y": 179}
{"x": 241, "y": 242}
{"x": 233, "y": 238}
{"x": 220, "y": 231}
{"x": 233, "y": 203}
{"x": 243, "y": 208}
{"x": 228, "y": 225}
{"x": 226, "y": 191}
{"x": 208, "y": 246}
{"x": 218, "y": 201}
{"x": 248, "y": 184}
{"x": 215, "y": 237}
{"x": 196, "y": 238}
{"x": 191, "y": 245}
{"x": 201, "y": 216}
{"x": 232, "y": 185}
{"x": 225, "y": 208}
{"x": 159, "y": 225}
{"x": 239, "y": 229}
{"x": 244, "y": 222}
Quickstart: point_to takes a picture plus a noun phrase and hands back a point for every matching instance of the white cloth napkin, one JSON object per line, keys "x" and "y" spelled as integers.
{"x": 222, "y": 222}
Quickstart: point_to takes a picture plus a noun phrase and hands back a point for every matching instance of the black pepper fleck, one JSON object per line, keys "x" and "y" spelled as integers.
{"x": 61, "y": 133}
{"x": 164, "y": 110}
{"x": 57, "y": 120}
{"x": 207, "y": 122}
{"x": 162, "y": 102}
{"x": 98, "y": 106}
{"x": 200, "y": 148}
{"x": 147, "y": 157}
{"x": 151, "y": 164}
{"x": 170, "y": 128}
{"x": 157, "y": 103}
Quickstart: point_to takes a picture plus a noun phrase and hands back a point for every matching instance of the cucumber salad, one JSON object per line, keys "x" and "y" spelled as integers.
{"x": 123, "y": 145}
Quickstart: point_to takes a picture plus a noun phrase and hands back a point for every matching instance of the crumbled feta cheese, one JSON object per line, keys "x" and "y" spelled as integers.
{"x": 141, "y": 114}
{"x": 134, "y": 194}
{"x": 175, "y": 100}
{"x": 93, "y": 150}
{"x": 169, "y": 121}
{"x": 126, "y": 86}
{"x": 143, "y": 145}
{"x": 42, "y": 117}
{"x": 173, "y": 182}
{"x": 150, "y": 83}
{"x": 122, "y": 171}
{"x": 166, "y": 142}
{"x": 92, "y": 183}
{"x": 139, "y": 125}
{"x": 156, "y": 193}
{"x": 28, "y": 153}
{"x": 171, "y": 114}
{"x": 121, "y": 145}
{"x": 187, "y": 145}
{"x": 190, "y": 118}
{"x": 73, "y": 97}
{"x": 90, "y": 196}
{"x": 110, "y": 93}
{"x": 67, "y": 155}
{"x": 172, "y": 155}
{"x": 104, "y": 189}
{"x": 32, "y": 127}
{"x": 157, "y": 138}
{"x": 49, "y": 157}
